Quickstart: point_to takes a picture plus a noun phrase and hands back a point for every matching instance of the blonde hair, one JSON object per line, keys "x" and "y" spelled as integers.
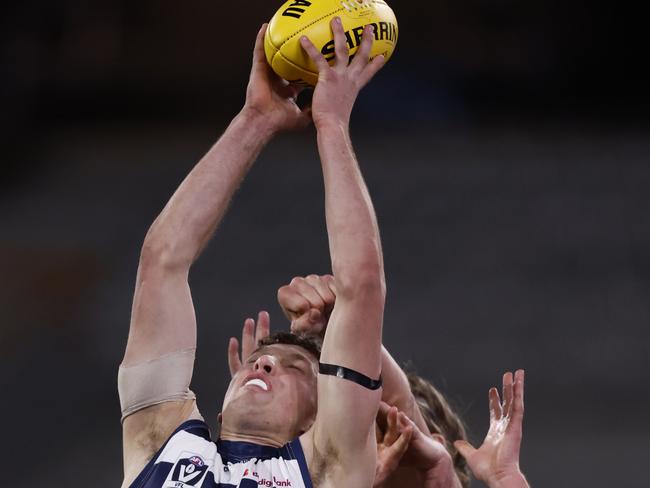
{"x": 441, "y": 418}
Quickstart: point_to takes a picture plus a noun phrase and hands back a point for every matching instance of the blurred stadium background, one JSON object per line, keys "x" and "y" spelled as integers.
{"x": 506, "y": 147}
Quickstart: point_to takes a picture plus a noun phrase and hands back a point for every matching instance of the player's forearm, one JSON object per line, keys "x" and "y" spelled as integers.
{"x": 354, "y": 242}
{"x": 183, "y": 228}
{"x": 353, "y": 337}
{"x": 397, "y": 391}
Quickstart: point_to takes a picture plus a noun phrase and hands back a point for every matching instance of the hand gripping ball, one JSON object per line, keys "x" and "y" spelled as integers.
{"x": 312, "y": 18}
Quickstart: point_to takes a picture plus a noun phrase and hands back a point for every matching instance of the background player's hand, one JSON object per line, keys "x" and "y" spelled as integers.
{"x": 427, "y": 454}
{"x": 339, "y": 85}
{"x": 251, "y": 334}
{"x": 270, "y": 96}
{"x": 496, "y": 462}
{"x": 394, "y": 434}
{"x": 307, "y": 303}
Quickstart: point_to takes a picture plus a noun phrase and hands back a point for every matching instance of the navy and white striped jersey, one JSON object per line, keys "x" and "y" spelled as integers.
{"x": 190, "y": 458}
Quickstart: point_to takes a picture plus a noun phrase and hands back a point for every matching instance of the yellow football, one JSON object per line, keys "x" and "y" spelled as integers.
{"x": 312, "y": 18}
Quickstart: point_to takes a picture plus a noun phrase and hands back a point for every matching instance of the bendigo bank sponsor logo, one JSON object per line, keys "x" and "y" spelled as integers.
{"x": 273, "y": 483}
{"x": 269, "y": 483}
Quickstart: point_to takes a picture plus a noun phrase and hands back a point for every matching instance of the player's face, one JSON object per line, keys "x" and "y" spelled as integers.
{"x": 275, "y": 388}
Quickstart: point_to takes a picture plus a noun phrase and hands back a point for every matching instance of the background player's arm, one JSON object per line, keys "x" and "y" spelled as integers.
{"x": 341, "y": 446}
{"x": 162, "y": 317}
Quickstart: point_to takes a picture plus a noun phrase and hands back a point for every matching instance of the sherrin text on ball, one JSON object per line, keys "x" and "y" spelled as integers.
{"x": 312, "y": 18}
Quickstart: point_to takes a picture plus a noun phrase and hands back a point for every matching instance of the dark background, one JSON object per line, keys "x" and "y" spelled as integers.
{"x": 506, "y": 148}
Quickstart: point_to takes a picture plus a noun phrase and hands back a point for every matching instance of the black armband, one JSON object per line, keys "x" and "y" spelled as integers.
{"x": 349, "y": 374}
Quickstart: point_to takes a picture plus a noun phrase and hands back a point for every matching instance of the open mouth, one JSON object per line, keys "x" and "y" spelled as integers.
{"x": 258, "y": 383}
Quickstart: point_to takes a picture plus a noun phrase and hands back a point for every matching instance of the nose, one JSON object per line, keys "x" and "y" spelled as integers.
{"x": 265, "y": 363}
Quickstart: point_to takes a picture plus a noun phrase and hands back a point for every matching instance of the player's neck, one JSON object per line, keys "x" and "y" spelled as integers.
{"x": 263, "y": 439}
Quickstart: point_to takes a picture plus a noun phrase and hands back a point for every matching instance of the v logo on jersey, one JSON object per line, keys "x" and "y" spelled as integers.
{"x": 189, "y": 471}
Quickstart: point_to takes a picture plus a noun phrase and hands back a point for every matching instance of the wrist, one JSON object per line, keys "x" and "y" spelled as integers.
{"x": 258, "y": 122}
{"x": 331, "y": 123}
{"x": 443, "y": 475}
{"x": 511, "y": 479}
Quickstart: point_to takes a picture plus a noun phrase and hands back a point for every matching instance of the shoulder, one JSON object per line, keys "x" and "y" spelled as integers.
{"x": 330, "y": 467}
{"x": 321, "y": 459}
{"x": 316, "y": 460}
{"x": 184, "y": 452}
{"x": 147, "y": 432}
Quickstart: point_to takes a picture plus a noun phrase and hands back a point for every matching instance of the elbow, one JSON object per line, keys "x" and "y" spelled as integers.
{"x": 159, "y": 254}
{"x": 362, "y": 281}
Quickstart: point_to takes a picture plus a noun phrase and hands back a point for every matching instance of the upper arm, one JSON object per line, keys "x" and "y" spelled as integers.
{"x": 162, "y": 316}
{"x": 344, "y": 425}
{"x": 162, "y": 322}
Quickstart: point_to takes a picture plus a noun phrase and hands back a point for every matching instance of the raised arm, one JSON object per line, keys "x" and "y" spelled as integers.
{"x": 181, "y": 231}
{"x": 343, "y": 437}
{"x": 163, "y": 323}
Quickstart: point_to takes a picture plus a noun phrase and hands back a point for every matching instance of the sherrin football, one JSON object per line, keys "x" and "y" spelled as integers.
{"x": 312, "y": 18}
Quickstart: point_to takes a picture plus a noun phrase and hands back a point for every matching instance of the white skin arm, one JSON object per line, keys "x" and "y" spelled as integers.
{"x": 341, "y": 447}
{"x": 162, "y": 317}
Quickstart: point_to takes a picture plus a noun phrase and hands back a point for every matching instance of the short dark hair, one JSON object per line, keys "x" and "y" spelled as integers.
{"x": 441, "y": 418}
{"x": 310, "y": 344}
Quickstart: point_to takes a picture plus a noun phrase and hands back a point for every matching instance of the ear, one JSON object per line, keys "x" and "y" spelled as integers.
{"x": 220, "y": 418}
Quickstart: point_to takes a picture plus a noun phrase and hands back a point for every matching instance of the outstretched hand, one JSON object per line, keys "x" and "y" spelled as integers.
{"x": 251, "y": 334}
{"x": 496, "y": 462}
{"x": 339, "y": 85}
{"x": 270, "y": 96}
{"x": 428, "y": 455}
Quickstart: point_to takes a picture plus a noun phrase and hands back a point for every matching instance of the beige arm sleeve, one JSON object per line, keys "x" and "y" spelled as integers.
{"x": 157, "y": 381}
